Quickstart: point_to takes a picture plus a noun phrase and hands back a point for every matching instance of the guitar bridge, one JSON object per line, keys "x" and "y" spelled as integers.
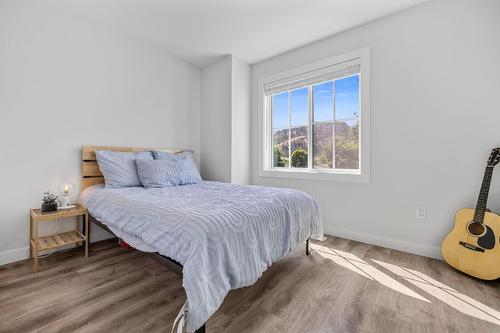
{"x": 471, "y": 246}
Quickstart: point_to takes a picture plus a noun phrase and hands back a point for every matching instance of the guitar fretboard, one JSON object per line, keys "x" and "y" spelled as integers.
{"x": 483, "y": 195}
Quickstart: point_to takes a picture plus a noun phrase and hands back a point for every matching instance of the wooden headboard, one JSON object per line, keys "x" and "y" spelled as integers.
{"x": 91, "y": 175}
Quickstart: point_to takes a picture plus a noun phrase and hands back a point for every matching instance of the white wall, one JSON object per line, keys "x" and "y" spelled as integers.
{"x": 65, "y": 83}
{"x": 216, "y": 120}
{"x": 240, "y": 122}
{"x": 435, "y": 107}
{"x": 225, "y": 121}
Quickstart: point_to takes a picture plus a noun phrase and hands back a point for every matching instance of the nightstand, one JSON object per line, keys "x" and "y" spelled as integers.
{"x": 40, "y": 244}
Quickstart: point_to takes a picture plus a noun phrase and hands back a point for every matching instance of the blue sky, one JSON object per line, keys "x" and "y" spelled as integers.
{"x": 346, "y": 103}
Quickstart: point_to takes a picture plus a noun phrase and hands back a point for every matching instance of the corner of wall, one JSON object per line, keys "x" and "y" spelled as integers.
{"x": 240, "y": 122}
{"x": 225, "y": 120}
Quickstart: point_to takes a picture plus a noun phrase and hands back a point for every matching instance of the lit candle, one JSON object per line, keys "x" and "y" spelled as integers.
{"x": 66, "y": 191}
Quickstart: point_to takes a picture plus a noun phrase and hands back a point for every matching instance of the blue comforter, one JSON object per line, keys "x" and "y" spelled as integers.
{"x": 224, "y": 235}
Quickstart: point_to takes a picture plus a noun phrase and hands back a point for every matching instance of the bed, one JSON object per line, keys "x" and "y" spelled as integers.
{"x": 219, "y": 236}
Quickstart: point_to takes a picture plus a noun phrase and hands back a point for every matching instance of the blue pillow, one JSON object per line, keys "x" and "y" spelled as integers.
{"x": 163, "y": 155}
{"x": 188, "y": 171}
{"x": 119, "y": 168}
{"x": 158, "y": 173}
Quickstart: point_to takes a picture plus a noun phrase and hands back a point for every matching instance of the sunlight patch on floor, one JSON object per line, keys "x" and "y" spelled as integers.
{"x": 444, "y": 293}
{"x": 329, "y": 253}
{"x": 361, "y": 267}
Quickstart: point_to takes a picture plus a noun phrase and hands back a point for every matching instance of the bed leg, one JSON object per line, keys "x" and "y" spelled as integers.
{"x": 308, "y": 246}
{"x": 201, "y": 329}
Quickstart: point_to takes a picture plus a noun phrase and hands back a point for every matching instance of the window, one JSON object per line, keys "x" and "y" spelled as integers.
{"x": 316, "y": 121}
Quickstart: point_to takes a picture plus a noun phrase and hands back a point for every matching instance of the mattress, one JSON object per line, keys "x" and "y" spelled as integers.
{"x": 224, "y": 235}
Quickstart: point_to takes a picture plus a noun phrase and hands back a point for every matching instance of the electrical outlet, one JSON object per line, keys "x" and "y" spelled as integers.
{"x": 420, "y": 213}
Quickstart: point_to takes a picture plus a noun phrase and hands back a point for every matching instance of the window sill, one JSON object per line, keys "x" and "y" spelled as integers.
{"x": 335, "y": 176}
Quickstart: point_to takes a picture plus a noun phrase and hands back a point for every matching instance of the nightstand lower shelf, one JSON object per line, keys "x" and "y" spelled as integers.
{"x": 58, "y": 240}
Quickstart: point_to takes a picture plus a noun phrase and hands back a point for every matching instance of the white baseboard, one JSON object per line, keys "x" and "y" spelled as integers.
{"x": 391, "y": 243}
{"x": 11, "y": 256}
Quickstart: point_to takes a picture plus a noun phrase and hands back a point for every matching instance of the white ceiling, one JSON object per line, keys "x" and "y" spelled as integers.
{"x": 200, "y": 31}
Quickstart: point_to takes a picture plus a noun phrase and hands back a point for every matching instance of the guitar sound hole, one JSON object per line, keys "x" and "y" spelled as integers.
{"x": 476, "y": 229}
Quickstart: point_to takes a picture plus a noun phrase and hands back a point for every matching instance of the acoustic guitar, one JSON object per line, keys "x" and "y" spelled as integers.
{"x": 473, "y": 246}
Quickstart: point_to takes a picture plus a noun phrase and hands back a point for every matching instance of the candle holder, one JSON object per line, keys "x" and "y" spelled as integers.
{"x": 66, "y": 190}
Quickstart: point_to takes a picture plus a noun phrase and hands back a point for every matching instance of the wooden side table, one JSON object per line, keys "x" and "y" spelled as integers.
{"x": 40, "y": 244}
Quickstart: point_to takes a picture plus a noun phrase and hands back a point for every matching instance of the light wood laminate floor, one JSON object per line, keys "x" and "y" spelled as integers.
{"x": 343, "y": 286}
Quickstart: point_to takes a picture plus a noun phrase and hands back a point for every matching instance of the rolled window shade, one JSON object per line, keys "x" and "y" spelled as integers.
{"x": 323, "y": 74}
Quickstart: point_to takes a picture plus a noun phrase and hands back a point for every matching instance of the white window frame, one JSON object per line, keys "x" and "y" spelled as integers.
{"x": 265, "y": 120}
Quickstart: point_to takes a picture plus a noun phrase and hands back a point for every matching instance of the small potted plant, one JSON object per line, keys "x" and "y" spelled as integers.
{"x": 49, "y": 202}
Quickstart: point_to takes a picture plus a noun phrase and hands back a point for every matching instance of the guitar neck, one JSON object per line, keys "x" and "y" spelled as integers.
{"x": 483, "y": 195}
